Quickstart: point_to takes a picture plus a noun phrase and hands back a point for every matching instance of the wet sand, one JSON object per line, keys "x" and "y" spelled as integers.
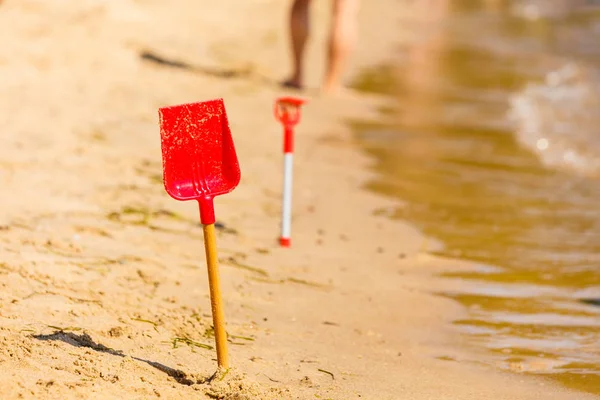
{"x": 526, "y": 214}
{"x": 104, "y": 290}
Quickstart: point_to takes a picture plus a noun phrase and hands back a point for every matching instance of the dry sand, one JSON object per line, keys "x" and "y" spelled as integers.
{"x": 103, "y": 284}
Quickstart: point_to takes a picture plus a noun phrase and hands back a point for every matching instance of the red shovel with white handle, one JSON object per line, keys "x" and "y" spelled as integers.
{"x": 199, "y": 163}
{"x": 287, "y": 111}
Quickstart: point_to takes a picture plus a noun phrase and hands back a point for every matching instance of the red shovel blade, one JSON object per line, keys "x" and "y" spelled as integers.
{"x": 287, "y": 109}
{"x": 199, "y": 159}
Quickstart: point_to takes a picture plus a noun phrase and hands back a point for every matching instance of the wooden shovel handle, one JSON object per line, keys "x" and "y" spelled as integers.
{"x": 216, "y": 303}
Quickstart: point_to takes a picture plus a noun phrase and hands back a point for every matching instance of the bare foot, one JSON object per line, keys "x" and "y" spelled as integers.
{"x": 337, "y": 91}
{"x": 329, "y": 89}
{"x": 290, "y": 84}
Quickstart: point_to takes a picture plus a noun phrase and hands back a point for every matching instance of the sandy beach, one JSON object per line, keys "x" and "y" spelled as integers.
{"x": 104, "y": 288}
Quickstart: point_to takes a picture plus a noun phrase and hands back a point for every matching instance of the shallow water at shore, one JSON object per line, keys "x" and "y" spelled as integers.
{"x": 493, "y": 149}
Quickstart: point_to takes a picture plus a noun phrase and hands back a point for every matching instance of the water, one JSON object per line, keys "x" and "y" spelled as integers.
{"x": 554, "y": 119}
{"x": 495, "y": 147}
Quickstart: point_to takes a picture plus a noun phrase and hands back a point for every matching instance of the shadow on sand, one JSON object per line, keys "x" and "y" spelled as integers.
{"x": 158, "y": 59}
{"x": 84, "y": 340}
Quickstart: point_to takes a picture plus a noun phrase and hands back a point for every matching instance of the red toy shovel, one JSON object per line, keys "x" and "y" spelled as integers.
{"x": 287, "y": 111}
{"x": 199, "y": 163}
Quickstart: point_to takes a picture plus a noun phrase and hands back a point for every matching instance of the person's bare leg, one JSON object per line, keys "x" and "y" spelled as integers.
{"x": 299, "y": 31}
{"x": 342, "y": 38}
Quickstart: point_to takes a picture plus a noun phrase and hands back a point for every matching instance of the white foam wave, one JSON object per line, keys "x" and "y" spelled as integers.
{"x": 559, "y": 119}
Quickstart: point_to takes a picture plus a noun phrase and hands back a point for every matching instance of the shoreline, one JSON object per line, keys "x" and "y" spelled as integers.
{"x": 101, "y": 272}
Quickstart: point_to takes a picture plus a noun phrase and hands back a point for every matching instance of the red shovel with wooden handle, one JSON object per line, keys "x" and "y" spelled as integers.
{"x": 199, "y": 163}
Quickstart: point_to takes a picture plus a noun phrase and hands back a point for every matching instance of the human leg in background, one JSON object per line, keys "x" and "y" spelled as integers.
{"x": 342, "y": 38}
{"x": 299, "y": 31}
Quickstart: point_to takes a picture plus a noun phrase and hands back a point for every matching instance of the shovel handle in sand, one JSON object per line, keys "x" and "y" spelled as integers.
{"x": 216, "y": 302}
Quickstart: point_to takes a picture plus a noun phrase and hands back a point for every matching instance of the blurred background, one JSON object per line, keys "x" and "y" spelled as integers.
{"x": 495, "y": 145}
